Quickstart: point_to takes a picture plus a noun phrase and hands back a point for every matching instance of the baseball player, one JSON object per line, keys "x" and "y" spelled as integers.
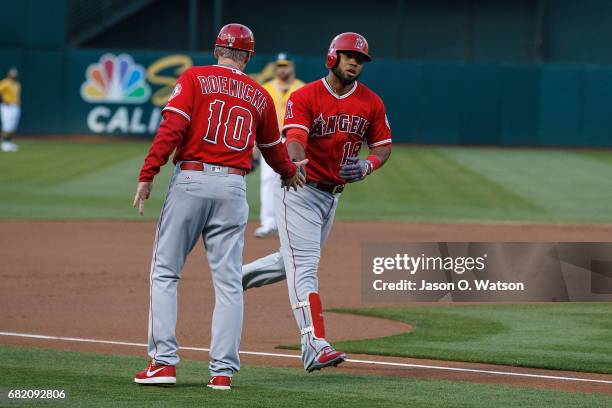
{"x": 326, "y": 121}
{"x": 10, "y": 109}
{"x": 279, "y": 88}
{"x": 214, "y": 116}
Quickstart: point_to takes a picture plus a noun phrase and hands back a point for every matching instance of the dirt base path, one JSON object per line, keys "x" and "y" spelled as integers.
{"x": 91, "y": 280}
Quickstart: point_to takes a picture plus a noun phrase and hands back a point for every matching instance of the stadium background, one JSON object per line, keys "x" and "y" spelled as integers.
{"x": 505, "y": 72}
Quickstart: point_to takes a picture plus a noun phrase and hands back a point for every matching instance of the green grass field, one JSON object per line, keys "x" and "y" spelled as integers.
{"x": 94, "y": 380}
{"x": 52, "y": 179}
{"x": 70, "y": 180}
{"x": 562, "y": 336}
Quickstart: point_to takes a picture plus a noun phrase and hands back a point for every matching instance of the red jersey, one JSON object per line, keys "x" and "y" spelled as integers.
{"x": 337, "y": 126}
{"x": 223, "y": 113}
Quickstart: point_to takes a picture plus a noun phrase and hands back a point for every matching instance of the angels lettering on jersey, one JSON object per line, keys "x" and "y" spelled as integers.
{"x": 359, "y": 113}
{"x": 344, "y": 123}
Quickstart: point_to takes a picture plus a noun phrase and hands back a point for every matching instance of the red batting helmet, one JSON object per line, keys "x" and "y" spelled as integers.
{"x": 236, "y": 36}
{"x": 346, "y": 42}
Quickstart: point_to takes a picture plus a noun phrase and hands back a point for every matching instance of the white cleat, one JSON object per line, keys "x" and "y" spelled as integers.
{"x": 264, "y": 232}
{"x": 9, "y": 147}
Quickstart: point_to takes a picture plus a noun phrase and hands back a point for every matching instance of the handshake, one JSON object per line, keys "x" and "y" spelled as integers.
{"x": 299, "y": 178}
{"x": 355, "y": 169}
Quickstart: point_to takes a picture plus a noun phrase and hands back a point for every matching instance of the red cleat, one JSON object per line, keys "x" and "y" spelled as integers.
{"x": 220, "y": 382}
{"x": 327, "y": 357}
{"x": 156, "y": 374}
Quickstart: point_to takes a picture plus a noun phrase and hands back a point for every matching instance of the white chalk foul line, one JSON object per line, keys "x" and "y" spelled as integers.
{"x": 372, "y": 362}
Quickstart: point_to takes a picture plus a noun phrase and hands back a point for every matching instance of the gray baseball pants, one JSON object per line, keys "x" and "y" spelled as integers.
{"x": 304, "y": 219}
{"x": 211, "y": 204}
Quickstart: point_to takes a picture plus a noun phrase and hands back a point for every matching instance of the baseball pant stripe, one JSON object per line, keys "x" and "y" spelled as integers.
{"x": 295, "y": 268}
{"x": 153, "y": 261}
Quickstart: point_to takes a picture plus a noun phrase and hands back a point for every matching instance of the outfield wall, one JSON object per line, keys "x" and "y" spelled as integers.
{"x": 427, "y": 102}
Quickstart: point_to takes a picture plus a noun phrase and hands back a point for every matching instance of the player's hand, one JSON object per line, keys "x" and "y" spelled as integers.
{"x": 356, "y": 169}
{"x": 143, "y": 191}
{"x": 299, "y": 178}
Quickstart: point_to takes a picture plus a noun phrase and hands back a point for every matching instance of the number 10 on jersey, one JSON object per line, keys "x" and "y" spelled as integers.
{"x": 233, "y": 123}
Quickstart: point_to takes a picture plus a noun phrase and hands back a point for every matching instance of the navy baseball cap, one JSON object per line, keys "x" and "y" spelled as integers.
{"x": 283, "y": 59}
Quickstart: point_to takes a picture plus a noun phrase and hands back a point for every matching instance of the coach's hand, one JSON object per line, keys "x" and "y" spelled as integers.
{"x": 143, "y": 191}
{"x": 299, "y": 178}
{"x": 356, "y": 169}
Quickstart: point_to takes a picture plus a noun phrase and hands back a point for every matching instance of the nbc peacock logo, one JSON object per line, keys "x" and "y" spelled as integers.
{"x": 115, "y": 79}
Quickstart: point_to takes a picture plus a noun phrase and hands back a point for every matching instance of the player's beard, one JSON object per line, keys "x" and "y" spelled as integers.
{"x": 342, "y": 77}
{"x": 285, "y": 76}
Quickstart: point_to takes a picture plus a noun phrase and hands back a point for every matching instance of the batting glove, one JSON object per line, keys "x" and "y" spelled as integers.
{"x": 356, "y": 169}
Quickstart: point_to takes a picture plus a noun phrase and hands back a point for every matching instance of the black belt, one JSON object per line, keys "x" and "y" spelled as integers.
{"x": 328, "y": 188}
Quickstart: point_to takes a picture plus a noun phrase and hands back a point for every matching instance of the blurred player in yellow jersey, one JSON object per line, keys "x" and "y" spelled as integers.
{"x": 10, "y": 109}
{"x": 280, "y": 88}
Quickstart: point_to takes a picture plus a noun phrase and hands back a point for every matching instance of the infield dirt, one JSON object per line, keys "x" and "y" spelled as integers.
{"x": 91, "y": 280}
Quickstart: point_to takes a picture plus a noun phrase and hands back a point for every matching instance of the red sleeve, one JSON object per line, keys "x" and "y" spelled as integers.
{"x": 172, "y": 130}
{"x": 267, "y": 128}
{"x": 297, "y": 135}
{"x": 278, "y": 158}
{"x": 379, "y": 131}
{"x": 182, "y": 96}
{"x": 270, "y": 145}
{"x": 297, "y": 113}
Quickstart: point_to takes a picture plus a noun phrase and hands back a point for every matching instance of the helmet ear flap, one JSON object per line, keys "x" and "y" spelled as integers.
{"x": 332, "y": 59}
